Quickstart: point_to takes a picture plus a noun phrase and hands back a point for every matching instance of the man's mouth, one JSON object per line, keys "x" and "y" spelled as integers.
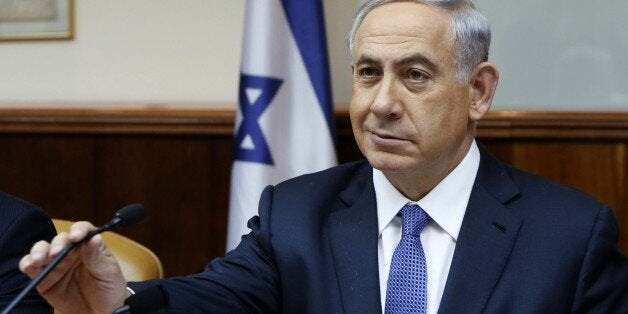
{"x": 386, "y": 139}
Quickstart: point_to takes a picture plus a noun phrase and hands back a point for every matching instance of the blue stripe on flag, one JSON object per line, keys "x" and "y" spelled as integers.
{"x": 308, "y": 28}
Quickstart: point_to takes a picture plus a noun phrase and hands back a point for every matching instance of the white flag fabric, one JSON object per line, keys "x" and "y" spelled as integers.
{"x": 284, "y": 125}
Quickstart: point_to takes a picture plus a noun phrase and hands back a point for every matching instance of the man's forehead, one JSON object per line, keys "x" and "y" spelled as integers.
{"x": 406, "y": 15}
{"x": 401, "y": 31}
{"x": 404, "y": 22}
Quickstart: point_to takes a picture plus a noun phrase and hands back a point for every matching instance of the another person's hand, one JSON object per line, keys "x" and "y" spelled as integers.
{"x": 88, "y": 280}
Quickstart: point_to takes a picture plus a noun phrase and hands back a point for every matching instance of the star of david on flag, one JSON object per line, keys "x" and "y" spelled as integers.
{"x": 256, "y": 94}
{"x": 284, "y": 125}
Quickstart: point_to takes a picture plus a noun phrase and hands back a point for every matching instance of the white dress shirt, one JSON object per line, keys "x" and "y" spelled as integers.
{"x": 446, "y": 205}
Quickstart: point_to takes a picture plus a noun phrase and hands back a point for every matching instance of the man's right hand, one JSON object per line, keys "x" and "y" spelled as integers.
{"x": 88, "y": 280}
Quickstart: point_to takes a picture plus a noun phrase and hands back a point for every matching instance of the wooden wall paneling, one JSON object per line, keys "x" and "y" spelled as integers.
{"x": 586, "y": 165}
{"x": 84, "y": 164}
{"x": 52, "y": 171}
{"x": 499, "y": 148}
{"x": 346, "y": 148}
{"x": 220, "y": 162}
{"x": 178, "y": 181}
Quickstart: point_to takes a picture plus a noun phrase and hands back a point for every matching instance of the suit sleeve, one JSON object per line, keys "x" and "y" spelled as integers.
{"x": 21, "y": 228}
{"x": 603, "y": 281}
{"x": 244, "y": 281}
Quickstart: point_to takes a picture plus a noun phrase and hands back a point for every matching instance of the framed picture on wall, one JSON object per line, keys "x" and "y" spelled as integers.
{"x": 36, "y": 19}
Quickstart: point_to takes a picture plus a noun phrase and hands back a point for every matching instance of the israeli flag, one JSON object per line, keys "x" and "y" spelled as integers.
{"x": 284, "y": 125}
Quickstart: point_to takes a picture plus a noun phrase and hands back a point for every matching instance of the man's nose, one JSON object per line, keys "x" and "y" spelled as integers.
{"x": 387, "y": 102}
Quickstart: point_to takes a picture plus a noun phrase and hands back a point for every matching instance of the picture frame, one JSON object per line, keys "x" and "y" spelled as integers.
{"x": 36, "y": 19}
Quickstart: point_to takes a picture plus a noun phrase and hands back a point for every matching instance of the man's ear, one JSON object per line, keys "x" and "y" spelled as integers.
{"x": 483, "y": 83}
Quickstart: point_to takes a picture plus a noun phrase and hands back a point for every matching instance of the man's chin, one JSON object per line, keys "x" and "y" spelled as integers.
{"x": 388, "y": 163}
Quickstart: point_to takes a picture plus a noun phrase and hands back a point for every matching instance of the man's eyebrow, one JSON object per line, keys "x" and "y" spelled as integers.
{"x": 415, "y": 58}
{"x": 419, "y": 58}
{"x": 364, "y": 59}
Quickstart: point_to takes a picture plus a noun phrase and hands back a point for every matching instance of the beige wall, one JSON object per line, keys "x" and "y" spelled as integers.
{"x": 178, "y": 51}
{"x": 149, "y": 50}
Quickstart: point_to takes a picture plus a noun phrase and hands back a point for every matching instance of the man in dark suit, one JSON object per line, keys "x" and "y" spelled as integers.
{"x": 431, "y": 223}
{"x": 21, "y": 225}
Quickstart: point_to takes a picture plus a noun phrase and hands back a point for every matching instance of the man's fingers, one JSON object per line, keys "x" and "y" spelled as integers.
{"x": 96, "y": 256}
{"x": 32, "y": 263}
{"x": 92, "y": 250}
{"x": 79, "y": 230}
{"x": 39, "y": 252}
{"x": 42, "y": 253}
{"x": 58, "y": 244}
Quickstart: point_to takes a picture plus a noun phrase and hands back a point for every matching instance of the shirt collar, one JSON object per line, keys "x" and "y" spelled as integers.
{"x": 445, "y": 210}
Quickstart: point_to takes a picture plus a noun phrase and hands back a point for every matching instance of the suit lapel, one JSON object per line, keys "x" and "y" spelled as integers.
{"x": 353, "y": 234}
{"x": 486, "y": 238}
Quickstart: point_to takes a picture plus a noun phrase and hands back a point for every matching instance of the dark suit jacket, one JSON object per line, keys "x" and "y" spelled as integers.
{"x": 526, "y": 245}
{"x": 21, "y": 225}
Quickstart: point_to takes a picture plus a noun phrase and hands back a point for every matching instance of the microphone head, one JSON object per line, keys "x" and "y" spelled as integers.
{"x": 149, "y": 300}
{"x": 131, "y": 214}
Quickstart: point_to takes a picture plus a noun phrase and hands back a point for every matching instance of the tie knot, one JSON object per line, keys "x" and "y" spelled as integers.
{"x": 413, "y": 219}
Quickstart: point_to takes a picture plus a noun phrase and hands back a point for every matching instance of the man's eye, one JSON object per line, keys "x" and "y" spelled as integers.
{"x": 416, "y": 75}
{"x": 367, "y": 72}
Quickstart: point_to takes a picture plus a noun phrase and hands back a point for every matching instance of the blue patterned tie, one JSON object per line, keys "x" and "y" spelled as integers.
{"x": 407, "y": 280}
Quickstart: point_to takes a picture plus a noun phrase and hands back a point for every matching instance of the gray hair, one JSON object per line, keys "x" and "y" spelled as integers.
{"x": 472, "y": 34}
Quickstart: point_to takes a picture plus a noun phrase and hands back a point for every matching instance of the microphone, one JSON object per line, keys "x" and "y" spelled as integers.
{"x": 146, "y": 301}
{"x": 126, "y": 216}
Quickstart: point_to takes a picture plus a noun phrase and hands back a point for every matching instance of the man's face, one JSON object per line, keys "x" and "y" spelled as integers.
{"x": 408, "y": 113}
